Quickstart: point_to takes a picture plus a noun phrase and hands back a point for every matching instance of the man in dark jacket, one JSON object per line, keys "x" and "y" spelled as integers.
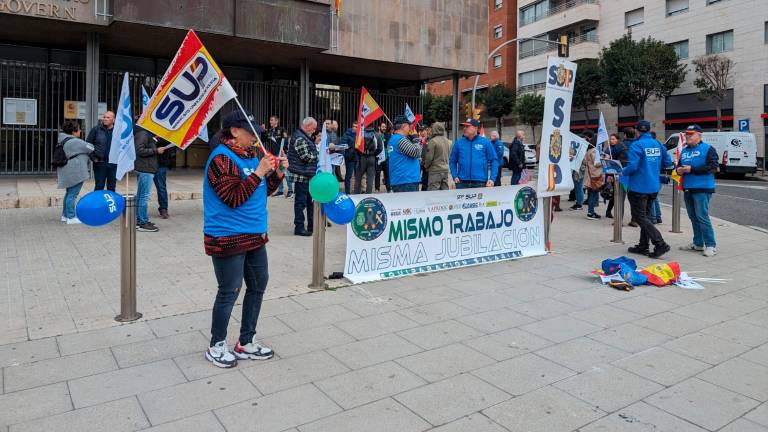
{"x": 100, "y": 136}
{"x": 517, "y": 157}
{"x": 302, "y": 160}
{"x": 145, "y": 166}
{"x": 366, "y": 161}
{"x": 271, "y": 138}
{"x": 350, "y": 156}
{"x": 165, "y": 161}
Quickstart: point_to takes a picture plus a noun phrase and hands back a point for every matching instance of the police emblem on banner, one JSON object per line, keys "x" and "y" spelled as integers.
{"x": 370, "y": 219}
{"x": 526, "y": 203}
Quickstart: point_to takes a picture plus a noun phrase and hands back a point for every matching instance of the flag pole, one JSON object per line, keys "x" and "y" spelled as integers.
{"x": 128, "y": 174}
{"x": 253, "y": 128}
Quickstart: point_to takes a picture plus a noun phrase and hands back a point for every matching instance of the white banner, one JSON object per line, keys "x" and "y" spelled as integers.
{"x": 554, "y": 169}
{"x": 577, "y": 151}
{"x": 394, "y": 235}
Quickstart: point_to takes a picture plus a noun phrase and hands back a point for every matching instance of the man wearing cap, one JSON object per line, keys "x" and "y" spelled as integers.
{"x": 471, "y": 156}
{"x": 404, "y": 158}
{"x": 698, "y": 165}
{"x": 646, "y": 158}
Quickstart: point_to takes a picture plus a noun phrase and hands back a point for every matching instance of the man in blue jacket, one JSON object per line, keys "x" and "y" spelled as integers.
{"x": 498, "y": 144}
{"x": 471, "y": 157}
{"x": 646, "y": 158}
{"x": 698, "y": 165}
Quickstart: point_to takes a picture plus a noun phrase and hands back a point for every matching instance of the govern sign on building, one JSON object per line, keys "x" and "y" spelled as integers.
{"x": 80, "y": 11}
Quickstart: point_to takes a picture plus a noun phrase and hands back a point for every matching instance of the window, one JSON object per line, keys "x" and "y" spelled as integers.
{"x": 720, "y": 42}
{"x": 532, "y": 78}
{"x": 681, "y": 49}
{"x": 534, "y": 12}
{"x": 676, "y": 7}
{"x": 634, "y": 17}
{"x": 499, "y": 4}
{"x": 531, "y": 47}
{"x": 497, "y": 32}
{"x": 497, "y": 61}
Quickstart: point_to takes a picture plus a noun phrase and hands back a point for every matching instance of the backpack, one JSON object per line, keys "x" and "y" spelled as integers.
{"x": 370, "y": 142}
{"x": 59, "y": 158}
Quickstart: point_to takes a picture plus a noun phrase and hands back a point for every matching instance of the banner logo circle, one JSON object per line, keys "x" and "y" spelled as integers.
{"x": 526, "y": 204}
{"x": 370, "y": 219}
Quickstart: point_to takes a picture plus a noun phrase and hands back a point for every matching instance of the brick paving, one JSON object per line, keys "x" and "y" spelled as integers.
{"x": 529, "y": 345}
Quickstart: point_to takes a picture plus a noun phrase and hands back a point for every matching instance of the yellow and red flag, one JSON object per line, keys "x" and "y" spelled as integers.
{"x": 675, "y": 176}
{"x": 368, "y": 112}
{"x": 338, "y": 7}
{"x": 662, "y": 274}
{"x": 192, "y": 90}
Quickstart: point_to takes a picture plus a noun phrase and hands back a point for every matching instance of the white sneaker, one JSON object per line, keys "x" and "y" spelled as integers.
{"x": 73, "y": 221}
{"x": 64, "y": 218}
{"x": 253, "y": 351}
{"x": 692, "y": 247}
{"x": 220, "y": 355}
{"x": 709, "y": 251}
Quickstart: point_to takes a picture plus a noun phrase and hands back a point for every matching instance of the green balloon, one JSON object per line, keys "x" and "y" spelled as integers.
{"x": 324, "y": 187}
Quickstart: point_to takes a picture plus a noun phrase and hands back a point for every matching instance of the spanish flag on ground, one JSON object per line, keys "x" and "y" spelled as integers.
{"x": 368, "y": 112}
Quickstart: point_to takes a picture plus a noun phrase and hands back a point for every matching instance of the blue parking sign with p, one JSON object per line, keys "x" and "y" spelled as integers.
{"x": 744, "y": 125}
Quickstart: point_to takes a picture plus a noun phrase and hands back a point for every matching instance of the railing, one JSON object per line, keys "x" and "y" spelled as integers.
{"x": 530, "y": 88}
{"x": 556, "y": 10}
{"x": 586, "y": 37}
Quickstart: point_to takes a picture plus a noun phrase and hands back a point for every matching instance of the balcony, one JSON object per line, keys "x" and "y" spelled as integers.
{"x": 574, "y": 42}
{"x": 558, "y": 16}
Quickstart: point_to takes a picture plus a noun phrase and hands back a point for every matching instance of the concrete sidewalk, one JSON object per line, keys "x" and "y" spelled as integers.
{"x": 529, "y": 345}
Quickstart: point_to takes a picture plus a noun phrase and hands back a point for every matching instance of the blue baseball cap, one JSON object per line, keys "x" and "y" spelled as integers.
{"x": 471, "y": 122}
{"x": 643, "y": 126}
{"x": 238, "y": 119}
{"x": 693, "y": 128}
{"x": 399, "y": 121}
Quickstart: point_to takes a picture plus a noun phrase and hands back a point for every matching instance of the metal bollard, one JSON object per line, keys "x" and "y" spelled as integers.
{"x": 675, "y": 208}
{"x": 547, "y": 222}
{"x": 618, "y": 212}
{"x": 318, "y": 249}
{"x": 128, "y": 262}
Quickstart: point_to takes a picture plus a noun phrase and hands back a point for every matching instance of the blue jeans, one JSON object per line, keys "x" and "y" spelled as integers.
{"x": 515, "y": 177}
{"x": 593, "y": 197}
{"x": 655, "y": 211}
{"x": 350, "y": 164}
{"x": 697, "y": 205}
{"x": 104, "y": 175}
{"x": 578, "y": 188}
{"x": 301, "y": 202}
{"x": 230, "y": 272}
{"x": 407, "y": 187}
{"x": 69, "y": 200}
{"x": 162, "y": 188}
{"x": 469, "y": 184}
{"x": 143, "y": 192}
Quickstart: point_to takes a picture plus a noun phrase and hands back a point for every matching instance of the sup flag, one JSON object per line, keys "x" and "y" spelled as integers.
{"x": 675, "y": 176}
{"x": 144, "y": 98}
{"x": 602, "y": 137}
{"x": 122, "y": 151}
{"x": 368, "y": 112}
{"x": 192, "y": 90}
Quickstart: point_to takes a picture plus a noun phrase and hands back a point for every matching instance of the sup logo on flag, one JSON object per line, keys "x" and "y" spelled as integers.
{"x": 187, "y": 94}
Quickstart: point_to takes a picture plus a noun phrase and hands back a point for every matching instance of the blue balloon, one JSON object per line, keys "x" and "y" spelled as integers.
{"x": 341, "y": 210}
{"x": 100, "y": 207}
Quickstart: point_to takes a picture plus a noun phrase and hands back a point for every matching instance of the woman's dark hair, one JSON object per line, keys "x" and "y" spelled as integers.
{"x": 225, "y": 134}
{"x": 618, "y": 138}
{"x": 70, "y": 126}
{"x": 629, "y": 132}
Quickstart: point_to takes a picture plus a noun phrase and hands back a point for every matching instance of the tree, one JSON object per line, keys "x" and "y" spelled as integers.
{"x": 714, "y": 80}
{"x": 499, "y": 102}
{"x": 589, "y": 89}
{"x": 530, "y": 111}
{"x": 635, "y": 71}
{"x": 438, "y": 108}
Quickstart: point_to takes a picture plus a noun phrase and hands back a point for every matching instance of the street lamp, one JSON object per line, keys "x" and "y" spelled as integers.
{"x": 562, "y": 52}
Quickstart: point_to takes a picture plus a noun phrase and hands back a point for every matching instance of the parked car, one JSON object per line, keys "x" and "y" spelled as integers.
{"x": 530, "y": 155}
{"x": 737, "y": 150}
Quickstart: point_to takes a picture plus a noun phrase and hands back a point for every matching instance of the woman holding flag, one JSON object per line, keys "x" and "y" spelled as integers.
{"x": 235, "y": 192}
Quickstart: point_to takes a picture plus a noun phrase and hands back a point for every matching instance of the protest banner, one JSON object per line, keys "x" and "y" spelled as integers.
{"x": 394, "y": 235}
{"x": 192, "y": 90}
{"x": 577, "y": 151}
{"x": 554, "y": 169}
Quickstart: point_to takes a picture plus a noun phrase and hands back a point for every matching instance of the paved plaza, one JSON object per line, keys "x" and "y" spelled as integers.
{"x": 529, "y": 345}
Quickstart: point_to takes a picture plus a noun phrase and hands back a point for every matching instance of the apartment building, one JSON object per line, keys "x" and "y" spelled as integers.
{"x": 502, "y": 26}
{"x": 734, "y": 28}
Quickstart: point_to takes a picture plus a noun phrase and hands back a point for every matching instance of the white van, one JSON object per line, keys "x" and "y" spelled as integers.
{"x": 737, "y": 150}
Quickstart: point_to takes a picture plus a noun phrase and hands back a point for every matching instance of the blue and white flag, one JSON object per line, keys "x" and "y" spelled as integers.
{"x": 144, "y": 98}
{"x": 324, "y": 157}
{"x": 409, "y": 114}
{"x": 602, "y": 137}
{"x": 123, "y": 152}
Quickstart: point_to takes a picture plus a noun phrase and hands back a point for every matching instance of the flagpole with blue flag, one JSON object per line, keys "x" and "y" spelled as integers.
{"x": 122, "y": 151}
{"x": 602, "y": 136}
{"x": 324, "y": 159}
